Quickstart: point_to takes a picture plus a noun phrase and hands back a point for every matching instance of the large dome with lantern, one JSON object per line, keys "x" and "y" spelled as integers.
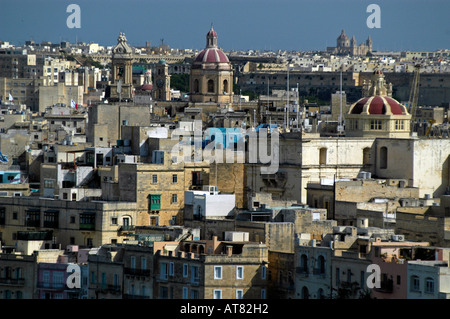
{"x": 377, "y": 113}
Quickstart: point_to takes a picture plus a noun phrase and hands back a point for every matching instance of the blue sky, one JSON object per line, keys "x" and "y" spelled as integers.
{"x": 241, "y": 24}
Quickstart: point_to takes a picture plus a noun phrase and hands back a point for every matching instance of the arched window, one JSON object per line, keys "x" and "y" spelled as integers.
{"x": 305, "y": 293}
{"x": 383, "y": 157}
{"x": 196, "y": 86}
{"x": 320, "y": 294}
{"x": 323, "y": 156}
{"x": 321, "y": 265}
{"x": 210, "y": 86}
{"x": 225, "y": 86}
{"x": 415, "y": 283}
{"x": 304, "y": 264}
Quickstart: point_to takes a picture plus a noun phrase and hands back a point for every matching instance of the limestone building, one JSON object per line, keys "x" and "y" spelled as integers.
{"x": 211, "y": 77}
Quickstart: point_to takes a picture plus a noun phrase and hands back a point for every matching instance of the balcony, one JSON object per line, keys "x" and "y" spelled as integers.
{"x": 319, "y": 272}
{"x": 87, "y": 226}
{"x": 12, "y": 281}
{"x": 302, "y": 271}
{"x": 51, "y": 286}
{"x": 127, "y": 229}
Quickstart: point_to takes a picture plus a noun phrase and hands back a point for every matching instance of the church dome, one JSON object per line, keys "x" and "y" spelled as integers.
{"x": 378, "y": 105}
{"x": 378, "y": 100}
{"x": 211, "y": 54}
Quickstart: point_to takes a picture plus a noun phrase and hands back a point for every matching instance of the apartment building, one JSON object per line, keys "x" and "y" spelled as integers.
{"x": 211, "y": 269}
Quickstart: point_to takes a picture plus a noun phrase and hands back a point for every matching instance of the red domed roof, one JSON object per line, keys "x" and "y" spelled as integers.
{"x": 212, "y": 55}
{"x": 378, "y": 105}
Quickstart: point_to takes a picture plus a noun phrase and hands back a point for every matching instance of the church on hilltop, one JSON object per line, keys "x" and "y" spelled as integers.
{"x": 345, "y": 46}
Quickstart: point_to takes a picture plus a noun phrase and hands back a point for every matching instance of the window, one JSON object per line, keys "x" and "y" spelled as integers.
{"x": 304, "y": 264}
{"x": 155, "y": 202}
{"x": 163, "y": 292}
{"x": 174, "y": 178}
{"x": 196, "y": 86}
{"x": 114, "y": 221}
{"x": 185, "y": 292}
{"x": 321, "y": 265}
{"x": 323, "y": 156}
{"x": 399, "y": 125}
{"x": 210, "y": 86}
{"x": 375, "y": 124}
{"x": 383, "y": 157}
{"x": 194, "y": 274}
{"x": 338, "y": 277}
{"x": 194, "y": 294}
{"x": 164, "y": 271}
{"x": 185, "y": 270}
{"x": 240, "y": 272}
{"x": 143, "y": 263}
{"x": 217, "y": 293}
{"x": 2, "y": 216}
{"x": 87, "y": 221}
{"x": 58, "y": 279}
{"x": 263, "y": 272}
{"x": 92, "y": 277}
{"x": 33, "y": 218}
{"x": 263, "y": 293}
{"x": 239, "y": 294}
{"x": 349, "y": 275}
{"x": 46, "y": 278}
{"x": 174, "y": 198}
{"x": 154, "y": 179}
{"x": 366, "y": 156}
{"x": 217, "y": 272}
{"x": 429, "y": 285}
{"x": 49, "y": 183}
{"x": 171, "y": 269}
{"x": 399, "y": 279}
{"x": 133, "y": 262}
{"x": 225, "y": 86}
{"x": 415, "y": 283}
{"x": 51, "y": 218}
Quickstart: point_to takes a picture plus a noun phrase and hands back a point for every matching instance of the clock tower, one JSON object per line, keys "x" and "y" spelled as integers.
{"x": 122, "y": 74}
{"x": 162, "y": 81}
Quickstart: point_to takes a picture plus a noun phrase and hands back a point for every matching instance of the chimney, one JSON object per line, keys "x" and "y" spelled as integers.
{"x": 229, "y": 251}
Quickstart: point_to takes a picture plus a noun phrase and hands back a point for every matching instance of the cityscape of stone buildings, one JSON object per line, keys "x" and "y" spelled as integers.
{"x": 90, "y": 184}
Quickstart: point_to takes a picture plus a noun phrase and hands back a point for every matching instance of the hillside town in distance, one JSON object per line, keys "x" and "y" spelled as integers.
{"x": 159, "y": 173}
